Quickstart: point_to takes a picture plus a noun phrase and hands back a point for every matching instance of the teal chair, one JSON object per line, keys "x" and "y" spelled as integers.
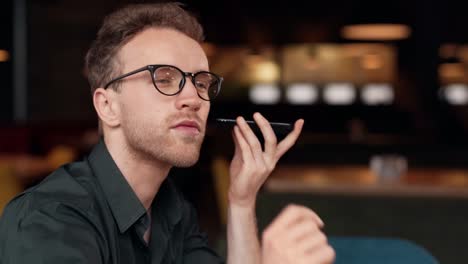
{"x": 438, "y": 225}
{"x": 370, "y": 250}
{"x": 367, "y": 250}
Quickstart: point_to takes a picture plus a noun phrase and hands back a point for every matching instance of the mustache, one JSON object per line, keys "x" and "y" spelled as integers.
{"x": 183, "y": 116}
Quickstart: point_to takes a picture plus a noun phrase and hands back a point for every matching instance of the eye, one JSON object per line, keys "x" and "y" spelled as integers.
{"x": 202, "y": 85}
{"x": 204, "y": 80}
{"x": 166, "y": 76}
{"x": 165, "y": 80}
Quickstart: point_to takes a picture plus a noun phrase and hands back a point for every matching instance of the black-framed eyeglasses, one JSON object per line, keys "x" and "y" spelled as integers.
{"x": 170, "y": 80}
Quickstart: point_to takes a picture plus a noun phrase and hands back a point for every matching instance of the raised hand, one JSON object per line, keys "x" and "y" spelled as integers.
{"x": 251, "y": 165}
{"x": 295, "y": 237}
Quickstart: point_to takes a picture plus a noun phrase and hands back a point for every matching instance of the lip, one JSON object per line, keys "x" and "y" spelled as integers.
{"x": 188, "y": 124}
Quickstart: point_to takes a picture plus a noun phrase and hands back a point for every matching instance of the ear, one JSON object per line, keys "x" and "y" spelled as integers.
{"x": 107, "y": 106}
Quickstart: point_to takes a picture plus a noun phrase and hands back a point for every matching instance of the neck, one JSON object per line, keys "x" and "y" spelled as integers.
{"x": 144, "y": 176}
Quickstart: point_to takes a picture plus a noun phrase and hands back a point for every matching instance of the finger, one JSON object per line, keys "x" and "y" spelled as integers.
{"x": 268, "y": 135}
{"x": 244, "y": 147}
{"x": 312, "y": 243}
{"x": 290, "y": 139}
{"x": 325, "y": 255}
{"x": 294, "y": 213}
{"x": 251, "y": 139}
{"x": 303, "y": 214}
{"x": 237, "y": 148}
{"x": 302, "y": 230}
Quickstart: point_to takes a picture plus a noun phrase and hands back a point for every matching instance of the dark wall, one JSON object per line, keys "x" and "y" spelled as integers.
{"x": 6, "y": 36}
{"x": 57, "y": 43}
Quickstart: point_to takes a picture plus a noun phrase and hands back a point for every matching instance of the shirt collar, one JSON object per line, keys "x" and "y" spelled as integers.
{"x": 122, "y": 200}
{"x": 166, "y": 212}
{"x": 168, "y": 203}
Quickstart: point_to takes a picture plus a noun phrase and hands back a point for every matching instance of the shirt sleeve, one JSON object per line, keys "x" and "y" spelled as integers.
{"x": 196, "y": 248}
{"x": 55, "y": 233}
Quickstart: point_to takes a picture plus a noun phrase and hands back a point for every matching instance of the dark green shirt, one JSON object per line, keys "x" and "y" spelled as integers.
{"x": 86, "y": 212}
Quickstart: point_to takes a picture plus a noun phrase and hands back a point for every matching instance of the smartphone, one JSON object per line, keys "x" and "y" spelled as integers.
{"x": 280, "y": 129}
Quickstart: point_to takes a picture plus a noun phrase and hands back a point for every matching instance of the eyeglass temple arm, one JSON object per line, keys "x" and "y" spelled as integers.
{"x": 126, "y": 75}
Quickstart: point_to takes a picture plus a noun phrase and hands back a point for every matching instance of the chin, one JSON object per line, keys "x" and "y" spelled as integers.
{"x": 184, "y": 155}
{"x": 184, "y": 162}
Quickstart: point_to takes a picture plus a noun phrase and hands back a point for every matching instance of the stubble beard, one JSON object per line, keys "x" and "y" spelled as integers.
{"x": 155, "y": 142}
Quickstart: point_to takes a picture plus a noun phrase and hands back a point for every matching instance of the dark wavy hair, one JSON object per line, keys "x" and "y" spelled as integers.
{"x": 118, "y": 28}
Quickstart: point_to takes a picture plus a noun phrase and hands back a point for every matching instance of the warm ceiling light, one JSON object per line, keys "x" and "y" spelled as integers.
{"x": 266, "y": 72}
{"x": 4, "y": 55}
{"x": 371, "y": 62}
{"x": 302, "y": 93}
{"x": 339, "y": 94}
{"x": 311, "y": 64}
{"x": 265, "y": 94}
{"x": 377, "y": 93}
{"x": 456, "y": 94}
{"x": 451, "y": 70}
{"x": 376, "y": 32}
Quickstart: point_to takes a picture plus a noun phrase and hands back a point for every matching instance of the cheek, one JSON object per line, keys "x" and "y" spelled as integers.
{"x": 204, "y": 111}
{"x": 143, "y": 120}
{"x": 143, "y": 101}
{"x": 137, "y": 108}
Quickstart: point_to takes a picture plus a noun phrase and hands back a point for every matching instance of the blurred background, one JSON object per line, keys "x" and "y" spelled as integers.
{"x": 382, "y": 86}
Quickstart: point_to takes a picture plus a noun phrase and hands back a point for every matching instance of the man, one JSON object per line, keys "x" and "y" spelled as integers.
{"x": 152, "y": 90}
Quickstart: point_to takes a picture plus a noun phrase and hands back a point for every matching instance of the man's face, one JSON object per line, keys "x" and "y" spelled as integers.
{"x": 159, "y": 127}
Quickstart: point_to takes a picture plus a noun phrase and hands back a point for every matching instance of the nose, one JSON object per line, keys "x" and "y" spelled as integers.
{"x": 188, "y": 97}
